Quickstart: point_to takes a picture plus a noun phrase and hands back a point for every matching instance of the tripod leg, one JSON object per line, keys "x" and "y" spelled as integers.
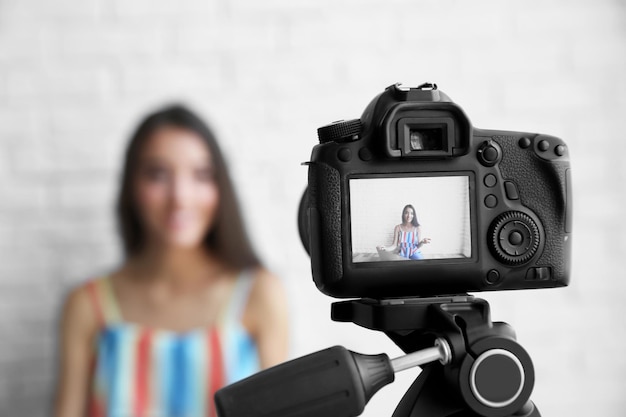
{"x": 430, "y": 396}
{"x": 529, "y": 410}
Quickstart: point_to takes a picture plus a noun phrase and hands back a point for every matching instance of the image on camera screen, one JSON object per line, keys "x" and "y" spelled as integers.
{"x": 410, "y": 218}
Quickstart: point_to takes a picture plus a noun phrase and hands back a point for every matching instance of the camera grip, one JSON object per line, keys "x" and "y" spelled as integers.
{"x": 537, "y": 177}
{"x": 324, "y": 218}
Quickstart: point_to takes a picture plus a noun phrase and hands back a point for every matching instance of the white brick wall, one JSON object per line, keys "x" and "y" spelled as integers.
{"x": 75, "y": 77}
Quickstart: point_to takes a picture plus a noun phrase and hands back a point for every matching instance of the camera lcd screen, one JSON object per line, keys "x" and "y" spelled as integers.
{"x": 410, "y": 218}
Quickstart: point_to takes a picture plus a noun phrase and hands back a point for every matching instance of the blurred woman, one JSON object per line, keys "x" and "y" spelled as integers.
{"x": 191, "y": 309}
{"x": 407, "y": 237}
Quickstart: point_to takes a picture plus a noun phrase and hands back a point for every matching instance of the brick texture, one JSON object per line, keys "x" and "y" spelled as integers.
{"x": 76, "y": 76}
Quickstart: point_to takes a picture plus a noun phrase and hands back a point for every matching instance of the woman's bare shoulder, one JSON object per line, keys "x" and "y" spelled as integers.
{"x": 79, "y": 310}
{"x": 267, "y": 296}
{"x": 78, "y": 298}
{"x": 265, "y": 283}
{"x": 266, "y": 317}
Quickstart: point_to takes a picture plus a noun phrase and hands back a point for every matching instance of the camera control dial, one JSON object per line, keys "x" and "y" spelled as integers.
{"x": 514, "y": 238}
{"x": 340, "y": 131}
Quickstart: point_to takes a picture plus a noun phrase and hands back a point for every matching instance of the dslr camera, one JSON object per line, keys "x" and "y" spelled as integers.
{"x": 491, "y": 209}
{"x": 407, "y": 210}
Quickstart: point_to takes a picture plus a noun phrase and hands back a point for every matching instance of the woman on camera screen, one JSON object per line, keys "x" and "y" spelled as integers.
{"x": 191, "y": 309}
{"x": 407, "y": 239}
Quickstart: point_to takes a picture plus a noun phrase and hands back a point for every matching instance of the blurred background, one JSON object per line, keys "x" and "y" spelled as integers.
{"x": 76, "y": 76}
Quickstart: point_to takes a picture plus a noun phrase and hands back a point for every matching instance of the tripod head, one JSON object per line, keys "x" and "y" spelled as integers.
{"x": 482, "y": 370}
{"x": 489, "y": 373}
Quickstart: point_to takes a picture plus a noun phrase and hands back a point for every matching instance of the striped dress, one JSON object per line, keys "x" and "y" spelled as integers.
{"x": 409, "y": 244}
{"x": 145, "y": 372}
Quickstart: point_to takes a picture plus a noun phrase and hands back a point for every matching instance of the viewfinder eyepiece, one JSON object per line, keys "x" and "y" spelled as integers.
{"x": 425, "y": 137}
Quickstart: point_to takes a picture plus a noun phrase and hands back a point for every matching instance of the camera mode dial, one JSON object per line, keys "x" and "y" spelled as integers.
{"x": 514, "y": 238}
{"x": 340, "y": 131}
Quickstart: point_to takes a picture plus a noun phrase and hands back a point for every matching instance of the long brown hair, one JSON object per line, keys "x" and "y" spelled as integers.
{"x": 414, "y": 221}
{"x": 227, "y": 237}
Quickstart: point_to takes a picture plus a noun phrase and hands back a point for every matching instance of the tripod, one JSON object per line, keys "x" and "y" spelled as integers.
{"x": 482, "y": 370}
{"x": 488, "y": 373}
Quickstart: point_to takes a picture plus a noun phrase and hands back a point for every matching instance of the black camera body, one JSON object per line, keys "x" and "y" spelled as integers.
{"x": 492, "y": 209}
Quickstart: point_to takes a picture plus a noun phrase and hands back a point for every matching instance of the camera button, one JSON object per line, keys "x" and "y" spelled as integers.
{"x": 491, "y": 201}
{"x": 560, "y": 150}
{"x": 541, "y": 273}
{"x": 490, "y": 180}
{"x": 511, "y": 190}
{"x": 365, "y": 154}
{"x": 344, "y": 154}
{"x": 493, "y": 277}
{"x": 543, "y": 145}
{"x": 524, "y": 143}
{"x": 488, "y": 153}
{"x": 516, "y": 238}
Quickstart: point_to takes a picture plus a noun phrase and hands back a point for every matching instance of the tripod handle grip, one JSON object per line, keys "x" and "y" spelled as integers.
{"x": 333, "y": 381}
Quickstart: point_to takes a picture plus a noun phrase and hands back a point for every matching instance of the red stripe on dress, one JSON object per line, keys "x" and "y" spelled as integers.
{"x": 96, "y": 409}
{"x": 215, "y": 369}
{"x": 95, "y": 406}
{"x": 92, "y": 289}
{"x": 142, "y": 373}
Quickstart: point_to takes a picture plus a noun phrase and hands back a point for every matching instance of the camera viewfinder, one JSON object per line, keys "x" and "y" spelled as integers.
{"x": 424, "y": 139}
{"x": 419, "y": 137}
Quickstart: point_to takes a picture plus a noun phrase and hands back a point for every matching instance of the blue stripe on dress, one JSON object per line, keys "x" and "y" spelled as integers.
{"x": 107, "y": 364}
{"x": 239, "y": 351}
{"x": 117, "y": 365}
{"x": 124, "y": 386}
{"x": 244, "y": 359}
{"x": 179, "y": 380}
{"x": 196, "y": 351}
{"x": 165, "y": 373}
